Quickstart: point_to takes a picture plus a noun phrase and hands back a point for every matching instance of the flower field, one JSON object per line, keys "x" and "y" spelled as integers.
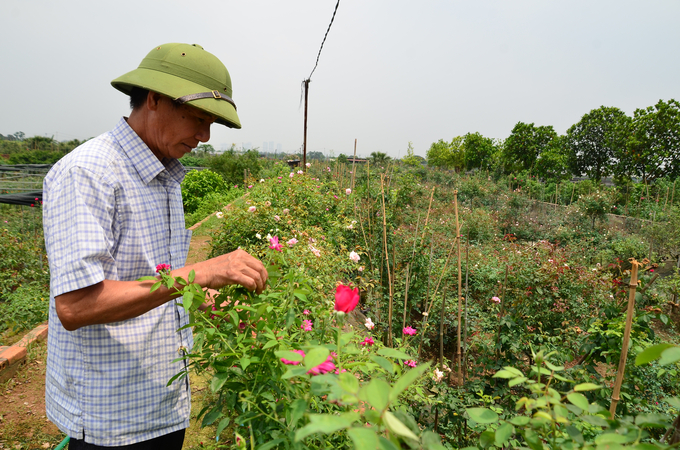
{"x": 415, "y": 308}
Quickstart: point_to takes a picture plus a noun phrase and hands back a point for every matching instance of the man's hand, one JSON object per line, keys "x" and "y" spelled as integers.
{"x": 237, "y": 267}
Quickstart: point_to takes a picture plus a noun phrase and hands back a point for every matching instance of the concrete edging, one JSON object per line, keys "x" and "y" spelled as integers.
{"x": 13, "y": 356}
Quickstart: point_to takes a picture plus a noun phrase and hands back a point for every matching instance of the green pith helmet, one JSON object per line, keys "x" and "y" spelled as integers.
{"x": 187, "y": 74}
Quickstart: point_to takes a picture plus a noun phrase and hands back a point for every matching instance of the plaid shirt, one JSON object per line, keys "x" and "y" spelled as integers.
{"x": 113, "y": 211}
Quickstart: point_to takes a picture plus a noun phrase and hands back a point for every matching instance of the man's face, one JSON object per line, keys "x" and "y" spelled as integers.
{"x": 176, "y": 130}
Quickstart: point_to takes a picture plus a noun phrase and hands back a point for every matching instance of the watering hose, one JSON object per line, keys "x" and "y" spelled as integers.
{"x": 63, "y": 443}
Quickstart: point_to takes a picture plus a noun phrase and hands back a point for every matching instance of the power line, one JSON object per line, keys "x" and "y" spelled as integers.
{"x": 324, "y": 40}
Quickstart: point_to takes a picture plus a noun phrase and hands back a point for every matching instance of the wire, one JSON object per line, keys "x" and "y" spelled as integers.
{"x": 324, "y": 40}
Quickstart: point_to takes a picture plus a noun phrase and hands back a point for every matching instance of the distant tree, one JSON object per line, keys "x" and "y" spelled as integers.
{"x": 231, "y": 165}
{"x": 554, "y": 163}
{"x": 205, "y": 150}
{"x": 478, "y": 151}
{"x": 524, "y": 145}
{"x": 342, "y": 158}
{"x": 653, "y": 150}
{"x": 19, "y": 136}
{"x": 447, "y": 155}
{"x": 315, "y": 155}
{"x": 379, "y": 158}
{"x": 410, "y": 159}
{"x": 596, "y": 140}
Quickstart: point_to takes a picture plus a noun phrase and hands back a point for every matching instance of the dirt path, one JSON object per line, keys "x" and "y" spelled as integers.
{"x": 23, "y": 423}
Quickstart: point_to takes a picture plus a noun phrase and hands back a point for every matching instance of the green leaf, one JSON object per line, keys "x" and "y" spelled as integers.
{"x": 187, "y": 300}
{"x": 156, "y": 285}
{"x": 294, "y": 372}
{"x": 586, "y": 387}
{"x": 393, "y": 353}
{"x": 224, "y": 423}
{"x": 297, "y": 409}
{"x": 316, "y": 356}
{"x": 323, "y": 423}
{"x": 407, "y": 380}
{"x": 270, "y": 344}
{"x": 575, "y": 434}
{"x": 519, "y": 421}
{"x": 553, "y": 367}
{"x": 670, "y": 356}
{"x": 212, "y": 416}
{"x": 487, "y": 438}
{"x": 504, "y": 374}
{"x": 482, "y": 415}
{"x": 349, "y": 382}
{"x": 595, "y": 420}
{"x": 516, "y": 381}
{"x": 382, "y": 362}
{"x": 579, "y": 400}
{"x": 612, "y": 438}
{"x": 503, "y": 433}
{"x": 192, "y": 276}
{"x": 147, "y": 278}
{"x": 245, "y": 362}
{"x": 533, "y": 439}
{"x": 363, "y": 438}
{"x": 270, "y": 444}
{"x": 376, "y": 393}
{"x": 300, "y": 294}
{"x": 218, "y": 381}
{"x": 397, "y": 427}
{"x": 289, "y": 355}
{"x": 673, "y": 401}
{"x": 385, "y": 444}
{"x": 651, "y": 353}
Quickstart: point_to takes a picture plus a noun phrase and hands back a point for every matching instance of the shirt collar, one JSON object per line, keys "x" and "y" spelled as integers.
{"x": 142, "y": 158}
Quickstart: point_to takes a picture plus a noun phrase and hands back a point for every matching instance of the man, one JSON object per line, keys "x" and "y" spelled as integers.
{"x": 112, "y": 213}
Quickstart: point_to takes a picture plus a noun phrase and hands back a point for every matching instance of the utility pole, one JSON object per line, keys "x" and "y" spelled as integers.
{"x": 304, "y": 144}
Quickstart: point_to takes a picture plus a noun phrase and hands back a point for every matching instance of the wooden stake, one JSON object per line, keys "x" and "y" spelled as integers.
{"x": 427, "y": 217}
{"x": 460, "y": 290}
{"x": 387, "y": 263}
{"x": 465, "y": 331}
{"x": 441, "y": 329}
{"x": 354, "y": 163}
{"x": 626, "y": 336}
{"x": 498, "y": 339}
{"x": 408, "y": 278}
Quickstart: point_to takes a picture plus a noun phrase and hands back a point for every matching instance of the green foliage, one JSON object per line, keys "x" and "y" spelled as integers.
{"x": 525, "y": 144}
{"x": 211, "y": 203}
{"x": 24, "y": 308}
{"x": 410, "y": 159}
{"x": 231, "y": 166}
{"x": 22, "y": 261}
{"x": 653, "y": 150}
{"x": 596, "y": 205}
{"x": 379, "y": 158}
{"x": 197, "y": 184}
{"x": 479, "y": 151}
{"x": 447, "y": 155}
{"x": 555, "y": 162}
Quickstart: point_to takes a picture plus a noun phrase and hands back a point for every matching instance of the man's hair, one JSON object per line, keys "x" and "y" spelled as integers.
{"x": 138, "y": 97}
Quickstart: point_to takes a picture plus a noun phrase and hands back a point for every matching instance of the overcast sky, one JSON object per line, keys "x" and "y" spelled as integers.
{"x": 390, "y": 72}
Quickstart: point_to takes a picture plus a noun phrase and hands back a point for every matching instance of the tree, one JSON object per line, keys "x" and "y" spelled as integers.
{"x": 232, "y": 165}
{"x": 379, "y": 158}
{"x": 524, "y": 145}
{"x": 410, "y": 159}
{"x": 478, "y": 151}
{"x": 447, "y": 155}
{"x": 596, "y": 140}
{"x": 653, "y": 149}
{"x": 554, "y": 163}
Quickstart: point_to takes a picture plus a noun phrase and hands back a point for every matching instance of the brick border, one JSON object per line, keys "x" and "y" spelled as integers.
{"x": 12, "y": 357}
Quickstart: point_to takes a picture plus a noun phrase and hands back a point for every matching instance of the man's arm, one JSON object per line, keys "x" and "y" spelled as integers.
{"x": 112, "y": 301}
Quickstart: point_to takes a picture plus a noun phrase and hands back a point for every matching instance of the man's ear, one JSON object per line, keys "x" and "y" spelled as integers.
{"x": 153, "y": 100}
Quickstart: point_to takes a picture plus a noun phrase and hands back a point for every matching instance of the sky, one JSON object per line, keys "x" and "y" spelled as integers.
{"x": 390, "y": 72}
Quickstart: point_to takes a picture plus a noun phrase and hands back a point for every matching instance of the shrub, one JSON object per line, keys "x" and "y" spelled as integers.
{"x": 197, "y": 184}
{"x": 231, "y": 165}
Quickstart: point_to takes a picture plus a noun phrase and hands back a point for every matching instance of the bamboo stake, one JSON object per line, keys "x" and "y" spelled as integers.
{"x": 427, "y": 217}
{"x": 505, "y": 283}
{"x": 408, "y": 278}
{"x": 427, "y": 313}
{"x": 441, "y": 329}
{"x": 387, "y": 263}
{"x": 354, "y": 163}
{"x": 467, "y": 260}
{"x": 626, "y": 336}
{"x": 460, "y": 291}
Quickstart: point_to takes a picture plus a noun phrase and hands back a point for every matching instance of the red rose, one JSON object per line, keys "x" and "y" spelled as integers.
{"x": 346, "y": 298}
